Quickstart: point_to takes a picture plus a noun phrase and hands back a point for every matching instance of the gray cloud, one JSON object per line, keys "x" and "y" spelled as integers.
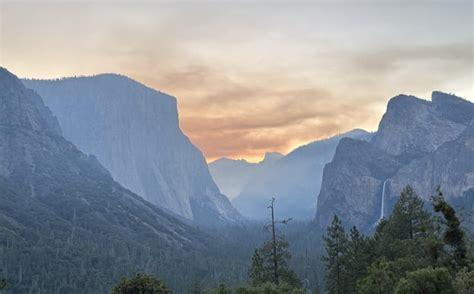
{"x": 252, "y": 77}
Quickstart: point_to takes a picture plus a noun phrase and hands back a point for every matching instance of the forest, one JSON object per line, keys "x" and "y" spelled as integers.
{"x": 422, "y": 247}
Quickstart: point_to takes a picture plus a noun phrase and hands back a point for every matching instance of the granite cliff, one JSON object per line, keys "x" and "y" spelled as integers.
{"x": 134, "y": 132}
{"x": 419, "y": 143}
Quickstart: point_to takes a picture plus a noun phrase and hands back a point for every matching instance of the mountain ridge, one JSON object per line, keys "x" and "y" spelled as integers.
{"x": 290, "y": 180}
{"x": 430, "y": 143}
{"x": 62, "y": 216}
{"x": 133, "y": 130}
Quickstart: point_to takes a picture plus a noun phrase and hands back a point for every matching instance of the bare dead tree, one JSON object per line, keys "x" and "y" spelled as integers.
{"x": 274, "y": 242}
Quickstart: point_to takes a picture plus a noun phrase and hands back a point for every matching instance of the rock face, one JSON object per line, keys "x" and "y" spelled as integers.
{"x": 293, "y": 180}
{"x": 451, "y": 166}
{"x": 412, "y": 127}
{"x": 134, "y": 132}
{"x": 352, "y": 181}
{"x": 60, "y": 207}
{"x": 419, "y": 143}
{"x": 232, "y": 175}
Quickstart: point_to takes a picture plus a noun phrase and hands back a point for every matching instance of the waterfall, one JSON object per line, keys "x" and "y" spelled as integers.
{"x": 382, "y": 207}
{"x": 382, "y": 204}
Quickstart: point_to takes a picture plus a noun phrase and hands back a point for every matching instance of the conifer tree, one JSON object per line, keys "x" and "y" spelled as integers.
{"x": 336, "y": 258}
{"x": 359, "y": 257}
{"x": 257, "y": 273}
{"x": 453, "y": 236}
{"x": 409, "y": 218}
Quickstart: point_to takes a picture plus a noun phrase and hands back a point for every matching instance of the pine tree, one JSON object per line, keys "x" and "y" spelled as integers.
{"x": 336, "y": 258}
{"x": 257, "y": 273}
{"x": 409, "y": 218}
{"x": 359, "y": 257}
{"x": 453, "y": 237}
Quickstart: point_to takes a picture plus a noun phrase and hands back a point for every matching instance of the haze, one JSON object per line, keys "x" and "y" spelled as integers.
{"x": 251, "y": 78}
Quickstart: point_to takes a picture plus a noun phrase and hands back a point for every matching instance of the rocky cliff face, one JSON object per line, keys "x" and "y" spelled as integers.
{"x": 62, "y": 216}
{"x": 39, "y": 164}
{"x": 419, "y": 143}
{"x": 293, "y": 180}
{"x": 451, "y": 166}
{"x": 352, "y": 181}
{"x": 412, "y": 127}
{"x": 134, "y": 132}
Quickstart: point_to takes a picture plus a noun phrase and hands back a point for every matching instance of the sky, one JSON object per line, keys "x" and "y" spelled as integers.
{"x": 252, "y": 77}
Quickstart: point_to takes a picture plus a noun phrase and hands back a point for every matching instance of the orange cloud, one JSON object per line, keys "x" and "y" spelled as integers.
{"x": 249, "y": 81}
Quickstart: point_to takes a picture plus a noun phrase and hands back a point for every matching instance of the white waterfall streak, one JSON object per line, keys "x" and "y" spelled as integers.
{"x": 382, "y": 206}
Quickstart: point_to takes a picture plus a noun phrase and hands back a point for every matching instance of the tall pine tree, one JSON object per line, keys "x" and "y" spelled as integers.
{"x": 336, "y": 241}
{"x": 453, "y": 236}
{"x": 359, "y": 256}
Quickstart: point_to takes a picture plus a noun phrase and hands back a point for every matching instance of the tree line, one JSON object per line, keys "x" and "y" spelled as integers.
{"x": 412, "y": 251}
{"x": 417, "y": 249}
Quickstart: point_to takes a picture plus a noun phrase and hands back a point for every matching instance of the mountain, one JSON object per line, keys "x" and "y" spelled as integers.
{"x": 412, "y": 127}
{"x": 134, "y": 132}
{"x": 352, "y": 181}
{"x": 419, "y": 143}
{"x": 65, "y": 225}
{"x": 231, "y": 175}
{"x": 293, "y": 180}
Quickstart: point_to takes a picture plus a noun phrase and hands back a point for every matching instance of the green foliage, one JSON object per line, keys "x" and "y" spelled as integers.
{"x": 409, "y": 219}
{"x": 257, "y": 273}
{"x": 464, "y": 281}
{"x": 359, "y": 256}
{"x": 409, "y": 253}
{"x": 336, "y": 258}
{"x": 261, "y": 272}
{"x": 379, "y": 280}
{"x": 140, "y": 283}
{"x": 453, "y": 236}
{"x": 283, "y": 255}
{"x": 426, "y": 280}
{"x": 408, "y": 235}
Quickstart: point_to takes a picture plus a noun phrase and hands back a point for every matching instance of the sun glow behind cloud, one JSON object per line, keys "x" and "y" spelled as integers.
{"x": 250, "y": 77}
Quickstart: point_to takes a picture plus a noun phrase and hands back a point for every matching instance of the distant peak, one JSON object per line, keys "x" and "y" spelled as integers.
{"x": 272, "y": 156}
{"x": 227, "y": 159}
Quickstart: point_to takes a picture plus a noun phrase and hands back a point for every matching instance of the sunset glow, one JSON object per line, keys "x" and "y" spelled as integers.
{"x": 256, "y": 77}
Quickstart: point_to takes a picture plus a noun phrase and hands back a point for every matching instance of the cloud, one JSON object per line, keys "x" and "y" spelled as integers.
{"x": 251, "y": 78}
{"x": 390, "y": 59}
